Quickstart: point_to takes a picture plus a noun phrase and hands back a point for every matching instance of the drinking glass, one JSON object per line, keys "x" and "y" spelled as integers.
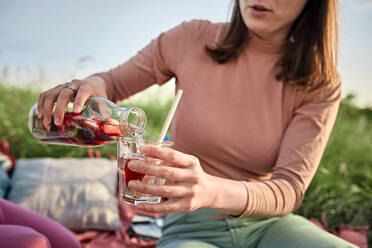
{"x": 129, "y": 149}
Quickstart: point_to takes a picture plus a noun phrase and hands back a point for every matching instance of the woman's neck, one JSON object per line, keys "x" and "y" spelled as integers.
{"x": 259, "y": 44}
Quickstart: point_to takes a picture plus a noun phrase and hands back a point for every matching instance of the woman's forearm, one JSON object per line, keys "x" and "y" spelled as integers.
{"x": 229, "y": 196}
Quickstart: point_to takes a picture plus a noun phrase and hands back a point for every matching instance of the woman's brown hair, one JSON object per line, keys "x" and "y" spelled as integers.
{"x": 309, "y": 58}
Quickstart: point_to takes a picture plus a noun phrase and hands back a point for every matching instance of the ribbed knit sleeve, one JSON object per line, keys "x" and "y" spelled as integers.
{"x": 154, "y": 64}
{"x": 300, "y": 152}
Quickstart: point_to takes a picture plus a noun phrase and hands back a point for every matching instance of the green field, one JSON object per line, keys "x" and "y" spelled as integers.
{"x": 342, "y": 187}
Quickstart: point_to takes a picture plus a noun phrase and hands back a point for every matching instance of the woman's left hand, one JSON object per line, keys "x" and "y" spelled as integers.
{"x": 188, "y": 185}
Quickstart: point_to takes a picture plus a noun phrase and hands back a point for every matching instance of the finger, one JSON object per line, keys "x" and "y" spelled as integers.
{"x": 163, "y": 190}
{"x": 40, "y": 104}
{"x": 169, "y": 155}
{"x": 161, "y": 170}
{"x": 169, "y": 206}
{"x": 48, "y": 108}
{"x": 62, "y": 101}
{"x": 84, "y": 92}
{"x": 41, "y": 100}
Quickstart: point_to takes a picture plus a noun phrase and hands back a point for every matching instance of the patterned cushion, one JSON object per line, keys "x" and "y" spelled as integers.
{"x": 78, "y": 193}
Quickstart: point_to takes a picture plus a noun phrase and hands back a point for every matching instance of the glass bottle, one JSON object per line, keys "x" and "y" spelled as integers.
{"x": 100, "y": 122}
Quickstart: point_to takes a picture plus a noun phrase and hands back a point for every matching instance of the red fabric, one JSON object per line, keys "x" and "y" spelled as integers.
{"x": 4, "y": 149}
{"x": 119, "y": 238}
{"x": 354, "y": 235}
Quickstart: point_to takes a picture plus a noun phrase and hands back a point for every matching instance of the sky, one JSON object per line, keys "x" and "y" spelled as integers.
{"x": 53, "y": 41}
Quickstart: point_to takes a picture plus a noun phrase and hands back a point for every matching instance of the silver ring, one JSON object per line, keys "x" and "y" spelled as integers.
{"x": 71, "y": 87}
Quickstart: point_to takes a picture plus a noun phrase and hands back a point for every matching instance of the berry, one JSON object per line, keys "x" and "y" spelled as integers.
{"x": 105, "y": 137}
{"x": 111, "y": 129}
{"x": 88, "y": 133}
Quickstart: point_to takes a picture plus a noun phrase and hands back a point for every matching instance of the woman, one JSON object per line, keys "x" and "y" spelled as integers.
{"x": 261, "y": 95}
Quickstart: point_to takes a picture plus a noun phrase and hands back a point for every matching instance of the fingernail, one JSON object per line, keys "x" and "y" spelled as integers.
{"x": 57, "y": 121}
{"x": 145, "y": 149}
{"x": 77, "y": 108}
{"x": 132, "y": 165}
{"x": 46, "y": 123}
{"x": 132, "y": 183}
{"x": 47, "y": 127}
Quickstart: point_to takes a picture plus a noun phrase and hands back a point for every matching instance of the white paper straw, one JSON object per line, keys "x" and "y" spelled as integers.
{"x": 170, "y": 116}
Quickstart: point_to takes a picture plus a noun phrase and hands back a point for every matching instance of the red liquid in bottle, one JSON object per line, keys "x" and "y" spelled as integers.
{"x": 78, "y": 130}
{"x": 99, "y": 122}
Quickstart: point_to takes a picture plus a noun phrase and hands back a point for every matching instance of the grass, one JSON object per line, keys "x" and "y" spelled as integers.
{"x": 342, "y": 187}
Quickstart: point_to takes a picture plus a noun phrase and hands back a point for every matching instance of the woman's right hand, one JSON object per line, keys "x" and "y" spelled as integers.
{"x": 61, "y": 95}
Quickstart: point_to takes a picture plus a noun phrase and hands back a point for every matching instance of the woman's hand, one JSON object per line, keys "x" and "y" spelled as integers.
{"x": 189, "y": 186}
{"x": 61, "y": 95}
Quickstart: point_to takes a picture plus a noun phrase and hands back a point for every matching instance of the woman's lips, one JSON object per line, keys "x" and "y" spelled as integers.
{"x": 258, "y": 10}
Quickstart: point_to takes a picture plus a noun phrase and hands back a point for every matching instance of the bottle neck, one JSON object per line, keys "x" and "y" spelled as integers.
{"x": 132, "y": 122}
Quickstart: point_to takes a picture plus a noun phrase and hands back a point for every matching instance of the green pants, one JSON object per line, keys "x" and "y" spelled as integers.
{"x": 206, "y": 228}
